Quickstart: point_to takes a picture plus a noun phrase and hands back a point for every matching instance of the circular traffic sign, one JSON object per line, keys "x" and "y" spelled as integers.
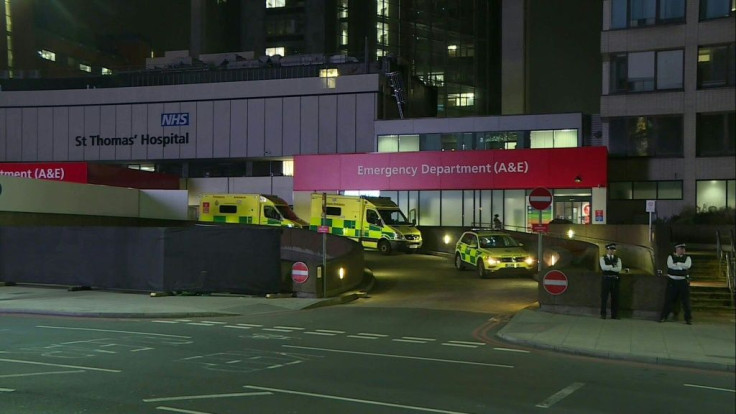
{"x": 555, "y": 282}
{"x": 299, "y": 272}
{"x": 540, "y": 198}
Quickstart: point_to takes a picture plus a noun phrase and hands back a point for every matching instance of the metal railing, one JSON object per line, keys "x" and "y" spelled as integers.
{"x": 727, "y": 263}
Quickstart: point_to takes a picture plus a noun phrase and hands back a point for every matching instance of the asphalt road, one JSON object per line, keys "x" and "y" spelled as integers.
{"x": 389, "y": 353}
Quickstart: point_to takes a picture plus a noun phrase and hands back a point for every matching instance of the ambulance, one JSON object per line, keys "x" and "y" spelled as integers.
{"x": 375, "y": 222}
{"x": 262, "y": 209}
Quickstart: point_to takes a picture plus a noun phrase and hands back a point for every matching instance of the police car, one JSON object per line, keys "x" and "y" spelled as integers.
{"x": 491, "y": 251}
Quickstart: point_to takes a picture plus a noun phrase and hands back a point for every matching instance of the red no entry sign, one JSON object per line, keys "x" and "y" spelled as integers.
{"x": 540, "y": 198}
{"x": 299, "y": 272}
{"x": 555, "y": 282}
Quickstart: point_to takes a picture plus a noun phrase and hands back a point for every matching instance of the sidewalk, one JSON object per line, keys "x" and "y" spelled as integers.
{"x": 708, "y": 343}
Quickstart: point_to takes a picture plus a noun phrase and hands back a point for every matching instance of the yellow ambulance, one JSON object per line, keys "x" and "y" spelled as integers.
{"x": 262, "y": 209}
{"x": 375, "y": 222}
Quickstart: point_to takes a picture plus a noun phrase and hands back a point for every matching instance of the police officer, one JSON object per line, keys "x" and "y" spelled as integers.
{"x": 678, "y": 283}
{"x": 611, "y": 267}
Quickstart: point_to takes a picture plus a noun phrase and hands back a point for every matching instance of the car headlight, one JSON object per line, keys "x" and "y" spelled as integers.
{"x": 529, "y": 261}
{"x": 398, "y": 236}
{"x": 492, "y": 262}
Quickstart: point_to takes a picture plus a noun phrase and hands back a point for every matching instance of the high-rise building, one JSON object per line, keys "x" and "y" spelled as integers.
{"x": 668, "y": 105}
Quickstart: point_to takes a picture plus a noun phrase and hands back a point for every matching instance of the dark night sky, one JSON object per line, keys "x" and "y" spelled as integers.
{"x": 164, "y": 23}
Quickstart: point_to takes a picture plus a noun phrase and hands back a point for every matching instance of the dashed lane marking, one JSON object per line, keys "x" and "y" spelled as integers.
{"x": 354, "y": 400}
{"x": 412, "y": 341}
{"x": 709, "y": 388}
{"x": 206, "y": 396}
{"x": 451, "y": 361}
{"x": 521, "y": 351}
{"x": 293, "y": 328}
{"x": 414, "y": 338}
{"x": 467, "y": 343}
{"x": 373, "y": 334}
{"x": 30, "y": 374}
{"x": 556, "y": 397}
{"x": 238, "y": 327}
{"x": 180, "y": 410}
{"x": 460, "y": 345}
{"x": 251, "y": 325}
{"x": 18, "y": 361}
{"x": 320, "y": 333}
{"x": 111, "y": 330}
{"x": 6, "y": 390}
{"x": 362, "y": 337}
{"x": 330, "y": 331}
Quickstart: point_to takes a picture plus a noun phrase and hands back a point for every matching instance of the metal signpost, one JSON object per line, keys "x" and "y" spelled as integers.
{"x": 324, "y": 243}
{"x": 540, "y": 199}
{"x": 651, "y": 208}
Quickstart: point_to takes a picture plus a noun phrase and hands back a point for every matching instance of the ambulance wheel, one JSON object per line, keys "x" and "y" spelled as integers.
{"x": 459, "y": 262}
{"x": 482, "y": 270}
{"x": 384, "y": 247}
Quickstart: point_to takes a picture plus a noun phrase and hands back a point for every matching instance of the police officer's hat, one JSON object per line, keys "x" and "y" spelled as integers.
{"x": 680, "y": 245}
{"x": 611, "y": 246}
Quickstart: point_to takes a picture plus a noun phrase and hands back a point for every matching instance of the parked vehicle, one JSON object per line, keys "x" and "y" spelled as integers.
{"x": 262, "y": 209}
{"x": 491, "y": 251}
{"x": 375, "y": 222}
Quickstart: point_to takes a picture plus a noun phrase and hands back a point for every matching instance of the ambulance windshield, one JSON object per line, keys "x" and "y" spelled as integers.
{"x": 394, "y": 218}
{"x": 287, "y": 213}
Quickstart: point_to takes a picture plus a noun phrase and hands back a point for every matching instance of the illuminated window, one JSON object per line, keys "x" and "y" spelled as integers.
{"x": 106, "y": 71}
{"x": 287, "y": 168}
{"x": 85, "y": 68}
{"x": 380, "y": 53}
{"x": 382, "y": 8}
{"x": 435, "y": 78}
{"x": 382, "y": 33}
{"x": 452, "y": 50}
{"x": 48, "y": 55}
{"x": 342, "y": 9}
{"x": 270, "y": 51}
{"x": 343, "y": 33}
{"x": 271, "y": 4}
{"x": 329, "y": 77}
{"x": 461, "y": 99}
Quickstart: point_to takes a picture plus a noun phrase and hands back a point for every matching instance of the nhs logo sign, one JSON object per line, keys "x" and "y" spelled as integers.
{"x": 179, "y": 119}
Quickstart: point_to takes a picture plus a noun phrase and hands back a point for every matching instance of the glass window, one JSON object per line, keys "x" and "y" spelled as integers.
{"x": 566, "y": 138}
{"x": 641, "y": 71}
{"x": 452, "y": 208}
{"x": 716, "y": 134}
{"x": 48, "y": 55}
{"x": 497, "y": 140}
{"x": 542, "y": 139}
{"x": 713, "y": 9}
{"x": 669, "y": 190}
{"x": 643, "y": 12}
{"x": 620, "y": 190}
{"x": 388, "y": 143}
{"x": 271, "y": 51}
{"x": 409, "y": 143}
{"x": 646, "y": 136}
{"x": 710, "y": 195}
{"x": 671, "y": 10}
{"x": 429, "y": 208}
{"x": 716, "y": 66}
{"x": 619, "y": 76}
{"x": 275, "y": 3}
{"x": 645, "y": 190}
{"x": 619, "y": 11}
{"x": 449, "y": 142}
{"x": 669, "y": 69}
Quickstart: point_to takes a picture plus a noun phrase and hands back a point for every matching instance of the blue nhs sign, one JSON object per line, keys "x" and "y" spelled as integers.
{"x": 179, "y": 119}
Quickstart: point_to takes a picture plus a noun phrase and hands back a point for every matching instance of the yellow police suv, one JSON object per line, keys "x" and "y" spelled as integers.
{"x": 490, "y": 251}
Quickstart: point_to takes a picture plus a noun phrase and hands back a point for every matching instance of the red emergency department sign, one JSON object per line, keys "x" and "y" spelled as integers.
{"x": 299, "y": 272}
{"x": 453, "y": 170}
{"x": 540, "y": 198}
{"x": 555, "y": 282}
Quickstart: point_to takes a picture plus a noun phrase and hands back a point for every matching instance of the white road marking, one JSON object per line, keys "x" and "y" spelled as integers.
{"x": 164, "y": 321}
{"x": 413, "y": 341}
{"x": 293, "y": 328}
{"x": 319, "y": 333}
{"x": 399, "y": 356}
{"x": 200, "y": 323}
{"x": 40, "y": 373}
{"x": 238, "y": 327}
{"x": 250, "y": 325}
{"x": 111, "y": 330}
{"x": 556, "y": 397}
{"x": 206, "y": 396}
{"x": 414, "y": 338}
{"x": 709, "y": 388}
{"x": 355, "y": 400}
{"x": 18, "y": 361}
{"x": 276, "y": 330}
{"x": 215, "y": 322}
{"x": 183, "y": 320}
{"x": 460, "y": 345}
{"x": 467, "y": 343}
{"x": 179, "y": 410}
{"x": 522, "y": 351}
{"x": 373, "y": 334}
{"x": 6, "y": 390}
{"x": 362, "y": 337}
{"x": 330, "y": 331}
